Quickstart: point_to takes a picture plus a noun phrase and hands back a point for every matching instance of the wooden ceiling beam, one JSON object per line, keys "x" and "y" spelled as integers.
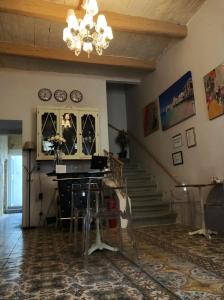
{"x": 57, "y": 12}
{"x": 79, "y": 7}
{"x": 67, "y": 55}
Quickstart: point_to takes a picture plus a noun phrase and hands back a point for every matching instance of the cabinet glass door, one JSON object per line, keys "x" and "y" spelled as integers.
{"x": 69, "y": 132}
{"x": 88, "y": 133}
{"x": 79, "y": 128}
{"x": 48, "y": 129}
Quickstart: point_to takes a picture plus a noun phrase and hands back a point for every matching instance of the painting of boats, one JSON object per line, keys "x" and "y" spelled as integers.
{"x": 177, "y": 103}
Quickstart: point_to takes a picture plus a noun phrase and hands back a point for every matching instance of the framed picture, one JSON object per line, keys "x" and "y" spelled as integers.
{"x": 151, "y": 121}
{"x": 214, "y": 89}
{"x": 177, "y": 102}
{"x": 191, "y": 137}
{"x": 177, "y": 158}
{"x": 177, "y": 140}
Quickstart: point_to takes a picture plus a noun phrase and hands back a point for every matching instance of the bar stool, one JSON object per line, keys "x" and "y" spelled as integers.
{"x": 81, "y": 208}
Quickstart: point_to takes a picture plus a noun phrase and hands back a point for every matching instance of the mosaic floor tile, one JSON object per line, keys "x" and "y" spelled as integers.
{"x": 43, "y": 264}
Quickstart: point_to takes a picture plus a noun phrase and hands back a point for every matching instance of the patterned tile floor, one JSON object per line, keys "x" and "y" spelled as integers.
{"x": 197, "y": 249}
{"x": 42, "y": 264}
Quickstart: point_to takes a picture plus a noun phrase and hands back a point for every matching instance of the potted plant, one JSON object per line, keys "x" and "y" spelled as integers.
{"x": 122, "y": 141}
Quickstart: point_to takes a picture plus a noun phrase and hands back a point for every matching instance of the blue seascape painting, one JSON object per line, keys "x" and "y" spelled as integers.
{"x": 177, "y": 103}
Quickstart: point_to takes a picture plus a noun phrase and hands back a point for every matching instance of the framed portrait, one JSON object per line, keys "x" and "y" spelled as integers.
{"x": 177, "y": 158}
{"x": 150, "y": 117}
{"x": 177, "y": 140}
{"x": 177, "y": 103}
{"x": 191, "y": 137}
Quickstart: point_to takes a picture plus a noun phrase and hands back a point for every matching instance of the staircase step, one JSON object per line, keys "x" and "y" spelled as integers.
{"x": 149, "y": 211}
{"x": 139, "y": 180}
{"x": 134, "y": 171}
{"x": 148, "y": 204}
{"x": 144, "y": 195}
{"x": 142, "y": 176}
{"x": 148, "y": 207}
{"x": 147, "y": 193}
{"x": 133, "y": 176}
{"x": 132, "y": 167}
{"x": 131, "y": 164}
{"x": 154, "y": 218}
{"x": 144, "y": 185}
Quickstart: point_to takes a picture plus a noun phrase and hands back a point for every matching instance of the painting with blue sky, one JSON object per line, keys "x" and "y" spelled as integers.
{"x": 177, "y": 103}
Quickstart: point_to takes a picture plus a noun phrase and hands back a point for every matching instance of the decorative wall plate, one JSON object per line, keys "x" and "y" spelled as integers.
{"x": 76, "y": 96}
{"x": 60, "y": 95}
{"x": 44, "y": 94}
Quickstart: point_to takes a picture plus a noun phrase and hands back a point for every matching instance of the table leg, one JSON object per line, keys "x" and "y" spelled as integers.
{"x": 99, "y": 245}
{"x": 203, "y": 231}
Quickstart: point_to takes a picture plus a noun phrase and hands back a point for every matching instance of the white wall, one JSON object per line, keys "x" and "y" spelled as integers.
{"x": 19, "y": 101}
{"x": 199, "y": 52}
{"x": 116, "y": 104}
{"x": 3, "y": 157}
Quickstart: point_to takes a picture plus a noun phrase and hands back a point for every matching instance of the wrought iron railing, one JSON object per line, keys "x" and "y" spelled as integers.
{"x": 116, "y": 168}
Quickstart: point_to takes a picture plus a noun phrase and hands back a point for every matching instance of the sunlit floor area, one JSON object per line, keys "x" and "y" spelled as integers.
{"x": 44, "y": 264}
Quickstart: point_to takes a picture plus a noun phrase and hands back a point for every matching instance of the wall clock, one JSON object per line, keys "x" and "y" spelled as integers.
{"x": 44, "y": 94}
{"x": 60, "y": 95}
{"x": 76, "y": 96}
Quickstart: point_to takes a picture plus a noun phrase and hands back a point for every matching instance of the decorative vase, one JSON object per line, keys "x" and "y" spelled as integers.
{"x": 57, "y": 157}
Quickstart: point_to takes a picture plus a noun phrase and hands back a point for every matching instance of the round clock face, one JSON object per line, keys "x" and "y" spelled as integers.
{"x": 44, "y": 94}
{"x": 60, "y": 95}
{"x": 76, "y": 96}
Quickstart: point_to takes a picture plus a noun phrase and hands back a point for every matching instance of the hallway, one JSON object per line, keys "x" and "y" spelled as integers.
{"x": 10, "y": 236}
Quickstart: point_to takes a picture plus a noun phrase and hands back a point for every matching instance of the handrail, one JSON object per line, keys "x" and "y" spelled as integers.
{"x": 149, "y": 153}
{"x": 114, "y": 158}
{"x": 116, "y": 167}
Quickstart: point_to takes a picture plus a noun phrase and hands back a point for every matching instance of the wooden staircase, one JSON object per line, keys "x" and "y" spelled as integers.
{"x": 147, "y": 205}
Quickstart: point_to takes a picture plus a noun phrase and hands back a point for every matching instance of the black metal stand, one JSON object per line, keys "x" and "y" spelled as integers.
{"x": 29, "y": 148}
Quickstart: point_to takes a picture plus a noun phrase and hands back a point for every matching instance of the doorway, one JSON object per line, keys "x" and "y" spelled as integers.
{"x": 11, "y": 167}
{"x": 13, "y": 201}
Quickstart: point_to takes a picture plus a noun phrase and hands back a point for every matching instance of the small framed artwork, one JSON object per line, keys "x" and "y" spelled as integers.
{"x": 177, "y": 158}
{"x": 177, "y": 140}
{"x": 150, "y": 115}
{"x": 191, "y": 137}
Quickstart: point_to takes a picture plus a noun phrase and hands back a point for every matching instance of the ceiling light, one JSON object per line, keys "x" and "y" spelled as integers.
{"x": 84, "y": 34}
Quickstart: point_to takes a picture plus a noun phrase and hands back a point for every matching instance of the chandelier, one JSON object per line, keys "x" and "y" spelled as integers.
{"x": 84, "y": 34}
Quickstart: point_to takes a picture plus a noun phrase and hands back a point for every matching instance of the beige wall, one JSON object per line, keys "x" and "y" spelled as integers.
{"x": 201, "y": 51}
{"x": 116, "y": 103}
{"x": 19, "y": 101}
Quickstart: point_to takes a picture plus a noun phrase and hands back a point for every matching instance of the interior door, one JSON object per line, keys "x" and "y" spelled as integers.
{"x": 47, "y": 127}
{"x": 69, "y": 130}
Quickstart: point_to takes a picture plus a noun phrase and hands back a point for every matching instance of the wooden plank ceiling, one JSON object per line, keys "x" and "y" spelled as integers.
{"x": 142, "y": 29}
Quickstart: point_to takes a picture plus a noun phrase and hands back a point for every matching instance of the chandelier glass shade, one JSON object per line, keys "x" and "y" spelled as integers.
{"x": 85, "y": 34}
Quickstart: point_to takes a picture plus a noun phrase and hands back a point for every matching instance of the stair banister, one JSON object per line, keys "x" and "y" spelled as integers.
{"x": 116, "y": 167}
